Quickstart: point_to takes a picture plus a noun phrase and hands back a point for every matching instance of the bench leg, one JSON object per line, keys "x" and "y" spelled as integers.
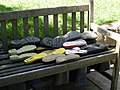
{"x": 62, "y": 78}
{"x": 115, "y": 74}
{"x": 81, "y": 77}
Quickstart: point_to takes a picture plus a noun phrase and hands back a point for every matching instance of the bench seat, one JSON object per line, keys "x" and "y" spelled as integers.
{"x": 14, "y": 75}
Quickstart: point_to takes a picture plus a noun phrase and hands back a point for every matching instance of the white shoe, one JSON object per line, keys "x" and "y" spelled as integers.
{"x": 76, "y": 50}
{"x": 75, "y": 43}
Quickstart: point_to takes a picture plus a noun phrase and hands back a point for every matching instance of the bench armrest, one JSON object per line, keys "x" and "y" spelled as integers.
{"x": 105, "y": 32}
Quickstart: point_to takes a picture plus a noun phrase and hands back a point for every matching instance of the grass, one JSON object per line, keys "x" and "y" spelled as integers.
{"x": 105, "y": 11}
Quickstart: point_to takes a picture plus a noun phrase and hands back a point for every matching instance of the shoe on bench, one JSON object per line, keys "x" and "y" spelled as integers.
{"x": 58, "y": 51}
{"x": 24, "y": 49}
{"x": 76, "y": 50}
{"x": 53, "y": 43}
{"x": 67, "y": 58}
{"x": 75, "y": 43}
{"x": 52, "y": 57}
{"x": 46, "y": 42}
{"x": 95, "y": 48}
{"x": 30, "y": 40}
{"x": 42, "y": 55}
{"x": 35, "y": 58}
{"x": 72, "y": 35}
{"x": 21, "y": 56}
{"x": 57, "y": 42}
{"x": 89, "y": 35}
{"x": 40, "y": 49}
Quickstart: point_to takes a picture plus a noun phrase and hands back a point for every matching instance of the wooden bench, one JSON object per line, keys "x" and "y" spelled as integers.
{"x": 18, "y": 75}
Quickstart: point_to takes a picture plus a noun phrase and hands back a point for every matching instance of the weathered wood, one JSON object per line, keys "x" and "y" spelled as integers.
{"x": 91, "y": 11}
{"x": 55, "y": 69}
{"x": 36, "y": 29}
{"x": 62, "y": 78}
{"x": 10, "y": 75}
{"x": 105, "y": 32}
{"x": 4, "y": 35}
{"x": 55, "y": 25}
{"x": 25, "y": 26}
{"x": 99, "y": 80}
{"x": 15, "y": 29}
{"x": 21, "y": 68}
{"x": 42, "y": 12}
{"x": 114, "y": 36}
{"x": 115, "y": 74}
{"x": 88, "y": 22}
{"x": 73, "y": 21}
{"x": 82, "y": 21}
{"x": 46, "y": 21}
{"x": 64, "y": 23}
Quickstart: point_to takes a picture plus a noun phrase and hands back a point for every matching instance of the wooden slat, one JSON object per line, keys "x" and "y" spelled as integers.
{"x": 25, "y": 26}
{"x": 46, "y": 33}
{"x": 21, "y": 68}
{"x": 55, "y": 25}
{"x": 43, "y": 12}
{"x": 4, "y": 35}
{"x": 73, "y": 21}
{"x": 36, "y": 29}
{"x": 82, "y": 21}
{"x": 88, "y": 22}
{"x": 62, "y": 78}
{"x": 91, "y": 11}
{"x": 105, "y": 32}
{"x": 115, "y": 73}
{"x": 108, "y": 74}
{"x": 64, "y": 23}
{"x": 55, "y": 69}
{"x": 99, "y": 80}
{"x": 15, "y": 29}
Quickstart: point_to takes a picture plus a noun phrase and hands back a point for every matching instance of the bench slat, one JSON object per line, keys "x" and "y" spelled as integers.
{"x": 81, "y": 22}
{"x": 25, "y": 25}
{"x": 55, "y": 25}
{"x": 88, "y": 22}
{"x": 55, "y": 69}
{"x": 46, "y": 21}
{"x": 99, "y": 80}
{"x": 15, "y": 29}
{"x": 42, "y": 12}
{"x": 4, "y": 35}
{"x": 64, "y": 23}
{"x": 22, "y": 68}
{"x": 36, "y": 29}
{"x": 73, "y": 21}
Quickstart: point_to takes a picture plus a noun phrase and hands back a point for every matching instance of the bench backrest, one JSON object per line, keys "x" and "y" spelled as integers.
{"x": 36, "y": 14}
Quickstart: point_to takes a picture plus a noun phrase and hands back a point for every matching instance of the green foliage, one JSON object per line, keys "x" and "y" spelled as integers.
{"x": 105, "y": 11}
